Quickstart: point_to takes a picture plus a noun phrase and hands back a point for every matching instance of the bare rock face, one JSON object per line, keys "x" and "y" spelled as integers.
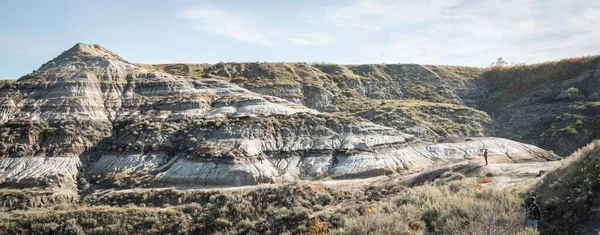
{"x": 89, "y": 118}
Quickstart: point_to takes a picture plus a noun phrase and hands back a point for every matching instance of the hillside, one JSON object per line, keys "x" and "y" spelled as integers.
{"x": 528, "y": 103}
{"x": 569, "y": 194}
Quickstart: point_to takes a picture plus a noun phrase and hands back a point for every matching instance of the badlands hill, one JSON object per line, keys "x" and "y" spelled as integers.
{"x": 89, "y": 113}
{"x": 91, "y": 128}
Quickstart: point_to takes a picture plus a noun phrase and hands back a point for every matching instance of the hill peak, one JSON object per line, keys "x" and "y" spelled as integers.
{"x": 82, "y": 51}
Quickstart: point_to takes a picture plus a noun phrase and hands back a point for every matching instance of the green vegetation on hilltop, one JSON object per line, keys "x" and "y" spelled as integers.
{"x": 416, "y": 81}
{"x": 524, "y": 77}
{"x": 455, "y": 72}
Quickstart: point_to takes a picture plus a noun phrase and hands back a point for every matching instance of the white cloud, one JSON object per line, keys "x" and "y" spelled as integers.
{"x": 380, "y": 14}
{"x": 210, "y": 19}
{"x": 464, "y": 32}
{"x": 461, "y": 32}
{"x": 318, "y": 38}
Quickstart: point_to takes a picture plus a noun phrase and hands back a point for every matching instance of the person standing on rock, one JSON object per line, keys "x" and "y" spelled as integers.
{"x": 532, "y": 210}
{"x": 485, "y": 154}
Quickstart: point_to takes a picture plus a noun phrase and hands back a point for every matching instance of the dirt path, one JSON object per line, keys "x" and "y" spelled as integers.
{"x": 505, "y": 173}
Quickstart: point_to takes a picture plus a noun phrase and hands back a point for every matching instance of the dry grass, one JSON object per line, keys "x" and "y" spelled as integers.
{"x": 450, "y": 205}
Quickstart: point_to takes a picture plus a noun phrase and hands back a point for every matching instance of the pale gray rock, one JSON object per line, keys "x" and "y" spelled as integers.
{"x": 60, "y": 172}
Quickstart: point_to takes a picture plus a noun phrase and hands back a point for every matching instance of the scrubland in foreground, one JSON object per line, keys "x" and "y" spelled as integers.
{"x": 452, "y": 204}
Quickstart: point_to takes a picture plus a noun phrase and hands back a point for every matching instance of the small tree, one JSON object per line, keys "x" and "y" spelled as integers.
{"x": 571, "y": 94}
{"x": 500, "y": 62}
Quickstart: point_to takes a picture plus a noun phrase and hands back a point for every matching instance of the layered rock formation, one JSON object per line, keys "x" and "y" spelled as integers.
{"x": 90, "y": 119}
{"x": 376, "y": 92}
{"x": 437, "y": 101}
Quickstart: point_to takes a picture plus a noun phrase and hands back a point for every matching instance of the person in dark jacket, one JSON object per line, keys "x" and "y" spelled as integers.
{"x": 485, "y": 154}
{"x": 532, "y": 210}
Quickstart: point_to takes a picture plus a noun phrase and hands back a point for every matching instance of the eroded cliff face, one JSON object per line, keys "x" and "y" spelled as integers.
{"x": 406, "y": 97}
{"x": 88, "y": 119}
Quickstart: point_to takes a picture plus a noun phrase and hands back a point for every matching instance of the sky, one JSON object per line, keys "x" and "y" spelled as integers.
{"x": 452, "y": 32}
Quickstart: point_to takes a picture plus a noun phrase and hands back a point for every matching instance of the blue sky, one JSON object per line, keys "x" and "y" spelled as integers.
{"x": 456, "y": 32}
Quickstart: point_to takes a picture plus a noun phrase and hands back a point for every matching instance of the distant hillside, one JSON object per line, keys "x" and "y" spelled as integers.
{"x": 518, "y": 102}
{"x": 553, "y": 105}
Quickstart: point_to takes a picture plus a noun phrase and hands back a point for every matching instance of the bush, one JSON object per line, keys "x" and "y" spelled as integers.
{"x": 594, "y": 97}
{"x": 239, "y": 80}
{"x": 317, "y": 227}
{"x": 485, "y": 179}
{"x": 571, "y": 94}
{"x": 570, "y": 130}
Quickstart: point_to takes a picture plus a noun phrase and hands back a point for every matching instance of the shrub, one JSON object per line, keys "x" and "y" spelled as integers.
{"x": 571, "y": 94}
{"x": 416, "y": 225}
{"x": 570, "y": 130}
{"x": 449, "y": 205}
{"x": 449, "y": 176}
{"x": 317, "y": 227}
{"x": 239, "y": 80}
{"x": 485, "y": 179}
{"x": 594, "y": 97}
